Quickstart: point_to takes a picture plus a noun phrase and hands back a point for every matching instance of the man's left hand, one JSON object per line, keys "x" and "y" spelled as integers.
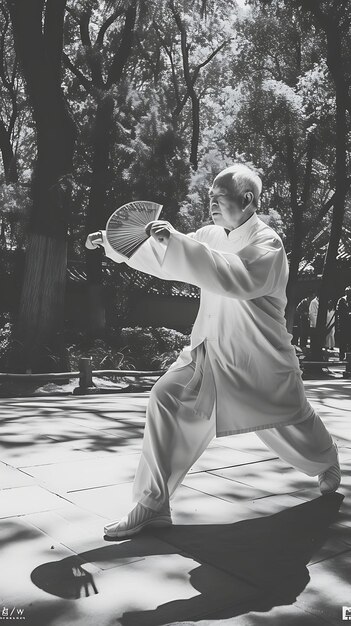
{"x": 159, "y": 230}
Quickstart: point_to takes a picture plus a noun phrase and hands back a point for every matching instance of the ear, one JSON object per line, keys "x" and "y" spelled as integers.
{"x": 248, "y": 198}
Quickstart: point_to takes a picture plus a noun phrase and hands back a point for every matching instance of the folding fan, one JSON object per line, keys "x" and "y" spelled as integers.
{"x": 125, "y": 230}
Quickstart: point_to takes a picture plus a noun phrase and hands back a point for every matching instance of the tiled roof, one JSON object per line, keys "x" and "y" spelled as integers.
{"x": 135, "y": 281}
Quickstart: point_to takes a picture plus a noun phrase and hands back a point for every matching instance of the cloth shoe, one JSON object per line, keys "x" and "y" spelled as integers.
{"x": 330, "y": 480}
{"x": 136, "y": 520}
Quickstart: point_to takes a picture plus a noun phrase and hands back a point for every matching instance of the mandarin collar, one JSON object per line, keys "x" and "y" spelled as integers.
{"x": 241, "y": 231}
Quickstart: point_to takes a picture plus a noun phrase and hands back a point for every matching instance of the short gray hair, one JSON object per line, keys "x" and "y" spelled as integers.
{"x": 239, "y": 179}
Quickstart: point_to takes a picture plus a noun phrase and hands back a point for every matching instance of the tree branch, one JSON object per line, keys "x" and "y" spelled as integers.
{"x": 92, "y": 56}
{"x": 306, "y": 191}
{"x": 73, "y": 13}
{"x": 293, "y": 178}
{"x": 105, "y": 26}
{"x": 208, "y": 60}
{"x": 168, "y": 51}
{"x": 84, "y": 28}
{"x": 213, "y": 54}
{"x": 121, "y": 56}
{"x": 323, "y": 210}
{"x": 83, "y": 80}
{"x": 181, "y": 104}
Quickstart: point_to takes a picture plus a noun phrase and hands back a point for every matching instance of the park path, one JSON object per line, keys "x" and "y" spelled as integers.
{"x": 253, "y": 543}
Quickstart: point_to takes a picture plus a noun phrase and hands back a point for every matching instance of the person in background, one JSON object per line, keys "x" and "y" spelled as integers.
{"x": 303, "y": 321}
{"x": 343, "y": 323}
{"x": 312, "y": 315}
{"x": 330, "y": 326}
{"x": 313, "y": 311}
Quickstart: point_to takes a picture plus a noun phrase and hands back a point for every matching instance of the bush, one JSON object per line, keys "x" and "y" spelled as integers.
{"x": 152, "y": 348}
{"x": 102, "y": 354}
{"x": 129, "y": 348}
{"x": 9, "y": 347}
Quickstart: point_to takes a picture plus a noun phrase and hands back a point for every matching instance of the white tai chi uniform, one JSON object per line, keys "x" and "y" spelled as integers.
{"x": 240, "y": 372}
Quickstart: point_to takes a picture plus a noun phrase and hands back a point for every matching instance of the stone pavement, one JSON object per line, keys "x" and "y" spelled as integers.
{"x": 253, "y": 543}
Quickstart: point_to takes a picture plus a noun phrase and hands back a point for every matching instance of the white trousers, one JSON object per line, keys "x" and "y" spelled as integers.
{"x": 175, "y": 436}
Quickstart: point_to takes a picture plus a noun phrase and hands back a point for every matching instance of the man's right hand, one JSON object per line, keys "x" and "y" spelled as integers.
{"x": 94, "y": 240}
{"x": 160, "y": 230}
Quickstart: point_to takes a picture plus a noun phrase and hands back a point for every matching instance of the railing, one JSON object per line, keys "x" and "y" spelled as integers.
{"x": 305, "y": 364}
{"x": 85, "y": 375}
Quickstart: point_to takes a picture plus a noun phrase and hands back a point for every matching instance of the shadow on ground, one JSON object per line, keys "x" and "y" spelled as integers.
{"x": 265, "y": 557}
{"x": 116, "y": 424}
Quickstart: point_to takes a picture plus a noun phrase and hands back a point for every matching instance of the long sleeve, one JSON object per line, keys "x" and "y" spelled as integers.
{"x": 147, "y": 259}
{"x": 258, "y": 270}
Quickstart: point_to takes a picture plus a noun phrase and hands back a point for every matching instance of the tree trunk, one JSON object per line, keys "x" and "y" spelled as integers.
{"x": 97, "y": 214}
{"x": 102, "y": 138}
{"x": 42, "y": 301}
{"x": 296, "y": 252}
{"x": 341, "y": 182}
{"x": 291, "y": 289}
{"x": 330, "y": 267}
{"x": 39, "y": 50}
{"x": 195, "y": 130}
{"x": 298, "y": 210}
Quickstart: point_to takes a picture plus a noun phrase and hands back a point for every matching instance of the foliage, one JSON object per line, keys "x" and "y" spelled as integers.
{"x": 6, "y": 343}
{"x": 152, "y": 347}
{"x": 15, "y": 205}
{"x": 102, "y": 354}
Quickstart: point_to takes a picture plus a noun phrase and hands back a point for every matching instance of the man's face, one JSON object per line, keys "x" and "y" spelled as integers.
{"x": 225, "y": 210}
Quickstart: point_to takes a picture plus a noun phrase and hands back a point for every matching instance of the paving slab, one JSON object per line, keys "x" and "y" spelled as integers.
{"x": 222, "y": 488}
{"x": 40, "y": 452}
{"x": 222, "y": 456}
{"x": 74, "y": 527}
{"x": 11, "y": 477}
{"x": 247, "y": 442}
{"x": 273, "y": 503}
{"x": 192, "y": 506}
{"x": 86, "y": 474}
{"x": 274, "y": 473}
{"x": 111, "y": 502}
{"x": 31, "y": 499}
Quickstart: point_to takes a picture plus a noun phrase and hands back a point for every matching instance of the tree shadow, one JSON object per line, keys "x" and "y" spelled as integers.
{"x": 264, "y": 557}
{"x": 116, "y": 426}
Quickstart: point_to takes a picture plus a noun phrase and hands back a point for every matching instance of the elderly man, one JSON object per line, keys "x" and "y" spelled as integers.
{"x": 240, "y": 372}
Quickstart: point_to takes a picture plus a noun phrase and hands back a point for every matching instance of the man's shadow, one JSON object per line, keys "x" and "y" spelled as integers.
{"x": 265, "y": 558}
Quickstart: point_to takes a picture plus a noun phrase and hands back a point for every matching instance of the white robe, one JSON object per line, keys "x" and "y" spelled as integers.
{"x": 250, "y": 372}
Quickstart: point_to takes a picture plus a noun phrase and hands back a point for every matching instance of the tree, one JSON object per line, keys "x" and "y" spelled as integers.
{"x": 286, "y": 123}
{"x": 38, "y": 33}
{"x": 334, "y": 20}
{"x": 105, "y": 69}
{"x": 185, "y": 71}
